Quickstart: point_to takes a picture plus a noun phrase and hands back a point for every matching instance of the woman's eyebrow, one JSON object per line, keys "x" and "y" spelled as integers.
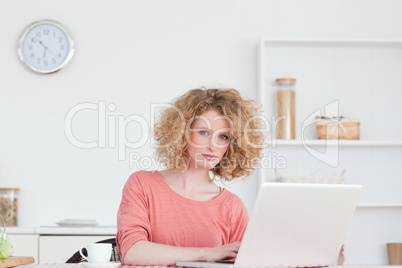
{"x": 225, "y": 130}
{"x": 202, "y": 127}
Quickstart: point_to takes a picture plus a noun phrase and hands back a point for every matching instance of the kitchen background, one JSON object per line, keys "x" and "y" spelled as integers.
{"x": 133, "y": 54}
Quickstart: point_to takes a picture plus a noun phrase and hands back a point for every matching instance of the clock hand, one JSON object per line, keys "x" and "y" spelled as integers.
{"x": 45, "y": 47}
{"x": 40, "y": 42}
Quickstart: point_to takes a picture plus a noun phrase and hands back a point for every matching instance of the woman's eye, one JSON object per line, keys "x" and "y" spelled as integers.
{"x": 203, "y": 132}
{"x": 224, "y": 137}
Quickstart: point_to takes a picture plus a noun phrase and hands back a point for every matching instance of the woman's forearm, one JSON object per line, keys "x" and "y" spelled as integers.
{"x": 149, "y": 253}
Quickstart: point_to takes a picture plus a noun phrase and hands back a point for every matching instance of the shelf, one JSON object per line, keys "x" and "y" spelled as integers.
{"x": 380, "y": 205}
{"x": 343, "y": 143}
{"x": 351, "y": 78}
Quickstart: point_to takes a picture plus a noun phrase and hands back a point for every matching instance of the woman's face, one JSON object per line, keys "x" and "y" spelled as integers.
{"x": 209, "y": 139}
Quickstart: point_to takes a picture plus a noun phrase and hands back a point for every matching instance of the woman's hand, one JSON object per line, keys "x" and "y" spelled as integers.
{"x": 224, "y": 252}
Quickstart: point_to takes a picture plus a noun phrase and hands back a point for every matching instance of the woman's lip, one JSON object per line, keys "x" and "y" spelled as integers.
{"x": 209, "y": 156}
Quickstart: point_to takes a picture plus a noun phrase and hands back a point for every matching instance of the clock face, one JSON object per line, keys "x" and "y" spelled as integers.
{"x": 45, "y": 47}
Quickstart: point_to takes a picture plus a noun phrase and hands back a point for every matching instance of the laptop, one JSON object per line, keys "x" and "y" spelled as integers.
{"x": 295, "y": 225}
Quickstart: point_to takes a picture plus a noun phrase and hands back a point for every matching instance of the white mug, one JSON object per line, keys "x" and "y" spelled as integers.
{"x": 98, "y": 252}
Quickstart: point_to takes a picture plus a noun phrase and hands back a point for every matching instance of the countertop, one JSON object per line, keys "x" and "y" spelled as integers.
{"x": 56, "y": 230}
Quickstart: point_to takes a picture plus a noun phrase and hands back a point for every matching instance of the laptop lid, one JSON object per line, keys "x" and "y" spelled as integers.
{"x": 298, "y": 224}
{"x": 295, "y": 225}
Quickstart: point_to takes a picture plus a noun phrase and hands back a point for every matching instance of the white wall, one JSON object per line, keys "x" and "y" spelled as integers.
{"x": 132, "y": 54}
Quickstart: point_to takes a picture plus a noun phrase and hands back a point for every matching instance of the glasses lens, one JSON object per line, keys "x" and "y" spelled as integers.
{"x": 218, "y": 137}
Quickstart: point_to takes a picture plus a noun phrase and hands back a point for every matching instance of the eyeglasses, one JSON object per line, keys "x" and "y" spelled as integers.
{"x": 219, "y": 138}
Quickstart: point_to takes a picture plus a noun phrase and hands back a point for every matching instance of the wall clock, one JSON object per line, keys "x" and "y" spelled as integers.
{"x": 45, "y": 47}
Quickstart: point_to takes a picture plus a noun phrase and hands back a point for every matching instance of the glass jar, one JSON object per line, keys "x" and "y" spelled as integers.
{"x": 285, "y": 105}
{"x": 9, "y": 205}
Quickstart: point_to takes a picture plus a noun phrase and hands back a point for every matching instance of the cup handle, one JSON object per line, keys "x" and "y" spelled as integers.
{"x": 82, "y": 255}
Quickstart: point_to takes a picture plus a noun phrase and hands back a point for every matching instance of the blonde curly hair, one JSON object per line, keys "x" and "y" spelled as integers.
{"x": 172, "y": 131}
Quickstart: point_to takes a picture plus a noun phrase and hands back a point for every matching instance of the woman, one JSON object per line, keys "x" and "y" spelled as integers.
{"x": 180, "y": 214}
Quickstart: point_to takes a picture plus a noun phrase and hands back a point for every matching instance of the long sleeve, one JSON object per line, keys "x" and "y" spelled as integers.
{"x": 132, "y": 218}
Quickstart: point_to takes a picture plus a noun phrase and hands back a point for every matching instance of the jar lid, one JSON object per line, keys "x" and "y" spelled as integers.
{"x": 285, "y": 81}
{"x": 335, "y": 120}
{"x": 10, "y": 189}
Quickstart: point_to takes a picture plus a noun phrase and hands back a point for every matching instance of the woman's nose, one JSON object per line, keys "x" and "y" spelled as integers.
{"x": 211, "y": 145}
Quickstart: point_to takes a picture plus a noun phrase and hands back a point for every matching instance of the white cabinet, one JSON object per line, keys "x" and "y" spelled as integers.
{"x": 25, "y": 245}
{"x": 357, "y": 79}
{"x": 58, "y": 248}
{"x": 55, "y": 244}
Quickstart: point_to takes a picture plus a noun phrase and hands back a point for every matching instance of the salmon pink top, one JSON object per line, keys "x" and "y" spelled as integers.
{"x": 150, "y": 210}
